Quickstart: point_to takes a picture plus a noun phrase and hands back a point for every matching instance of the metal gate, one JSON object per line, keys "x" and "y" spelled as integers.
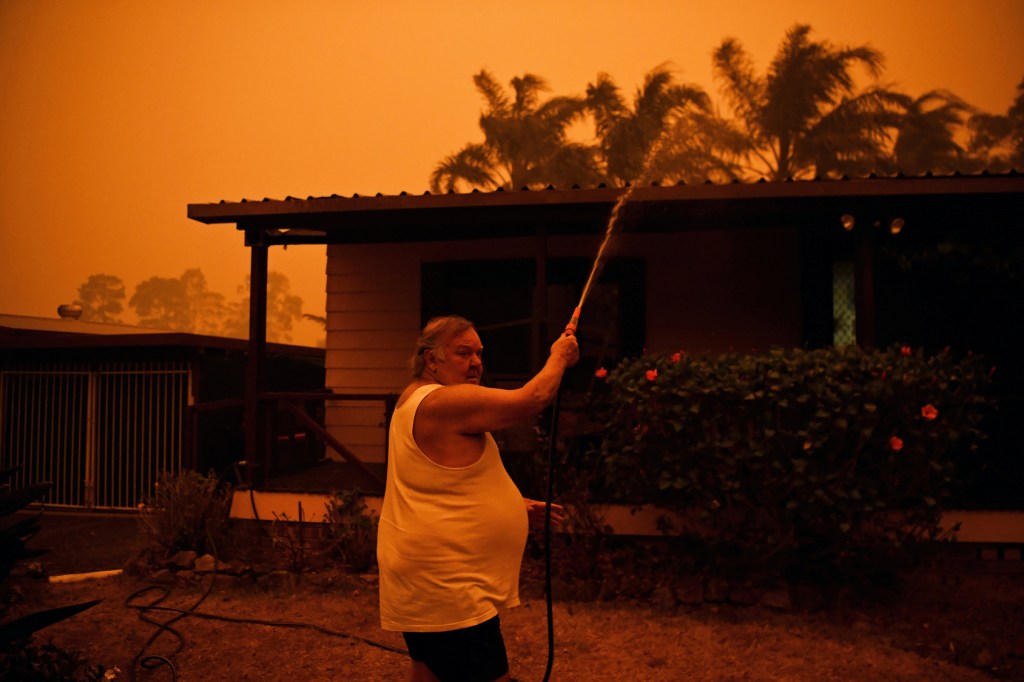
{"x": 100, "y": 433}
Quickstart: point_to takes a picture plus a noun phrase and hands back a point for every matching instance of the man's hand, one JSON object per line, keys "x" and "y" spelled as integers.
{"x": 567, "y": 349}
{"x": 535, "y": 512}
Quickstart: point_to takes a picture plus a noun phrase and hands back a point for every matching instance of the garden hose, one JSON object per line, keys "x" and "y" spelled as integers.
{"x": 570, "y": 330}
{"x": 549, "y": 603}
{"x": 153, "y": 661}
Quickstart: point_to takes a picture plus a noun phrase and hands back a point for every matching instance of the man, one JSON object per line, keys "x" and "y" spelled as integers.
{"x": 453, "y": 525}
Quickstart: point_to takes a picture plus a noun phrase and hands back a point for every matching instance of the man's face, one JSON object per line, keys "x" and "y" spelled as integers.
{"x": 463, "y": 360}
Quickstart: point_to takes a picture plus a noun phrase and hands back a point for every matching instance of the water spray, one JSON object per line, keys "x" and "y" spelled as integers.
{"x": 613, "y": 224}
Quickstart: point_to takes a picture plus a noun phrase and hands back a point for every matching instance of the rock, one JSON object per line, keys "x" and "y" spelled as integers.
{"x": 183, "y": 559}
{"x": 277, "y": 580}
{"x": 164, "y": 576}
{"x": 207, "y": 564}
{"x": 689, "y": 589}
{"x": 743, "y": 595}
{"x": 664, "y": 598}
{"x": 777, "y": 598}
{"x": 717, "y": 590}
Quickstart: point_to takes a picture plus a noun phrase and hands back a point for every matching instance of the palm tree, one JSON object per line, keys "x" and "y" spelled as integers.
{"x": 804, "y": 117}
{"x": 926, "y": 140}
{"x": 525, "y": 141}
{"x": 999, "y": 140}
{"x": 632, "y": 140}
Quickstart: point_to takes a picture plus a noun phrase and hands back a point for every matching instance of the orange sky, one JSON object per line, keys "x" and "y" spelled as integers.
{"x": 116, "y": 114}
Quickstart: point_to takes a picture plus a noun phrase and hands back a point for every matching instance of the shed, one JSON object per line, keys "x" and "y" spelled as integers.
{"x": 101, "y": 410}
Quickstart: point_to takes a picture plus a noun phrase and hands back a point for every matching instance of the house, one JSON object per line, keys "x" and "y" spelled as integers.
{"x": 706, "y": 267}
{"x": 101, "y": 410}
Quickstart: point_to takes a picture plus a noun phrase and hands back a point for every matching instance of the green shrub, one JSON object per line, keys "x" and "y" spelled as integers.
{"x": 187, "y": 511}
{"x": 351, "y": 534}
{"x": 794, "y": 462}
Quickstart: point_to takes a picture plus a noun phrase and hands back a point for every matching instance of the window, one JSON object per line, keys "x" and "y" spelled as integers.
{"x": 844, "y": 307}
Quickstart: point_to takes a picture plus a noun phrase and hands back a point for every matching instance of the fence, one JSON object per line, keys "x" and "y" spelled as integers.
{"x": 100, "y": 433}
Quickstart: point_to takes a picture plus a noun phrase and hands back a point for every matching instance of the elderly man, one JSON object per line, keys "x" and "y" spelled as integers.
{"x": 453, "y": 526}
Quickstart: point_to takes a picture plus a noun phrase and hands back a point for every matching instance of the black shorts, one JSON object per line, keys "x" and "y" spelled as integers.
{"x": 473, "y": 654}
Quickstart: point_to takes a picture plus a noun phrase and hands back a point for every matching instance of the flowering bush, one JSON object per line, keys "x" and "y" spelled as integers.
{"x": 794, "y": 461}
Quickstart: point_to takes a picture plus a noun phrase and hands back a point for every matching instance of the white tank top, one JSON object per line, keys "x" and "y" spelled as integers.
{"x": 451, "y": 540}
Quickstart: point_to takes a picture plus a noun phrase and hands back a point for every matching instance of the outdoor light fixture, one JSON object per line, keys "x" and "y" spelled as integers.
{"x": 896, "y": 226}
{"x": 847, "y": 221}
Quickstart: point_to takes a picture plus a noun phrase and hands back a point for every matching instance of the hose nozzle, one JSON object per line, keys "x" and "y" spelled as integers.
{"x": 570, "y": 329}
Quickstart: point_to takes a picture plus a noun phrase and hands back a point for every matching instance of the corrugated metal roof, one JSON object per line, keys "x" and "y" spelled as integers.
{"x": 898, "y": 183}
{"x": 499, "y": 213}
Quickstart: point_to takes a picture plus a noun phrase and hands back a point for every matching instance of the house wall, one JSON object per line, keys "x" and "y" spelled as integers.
{"x": 713, "y": 291}
{"x": 705, "y": 291}
{"x": 373, "y": 320}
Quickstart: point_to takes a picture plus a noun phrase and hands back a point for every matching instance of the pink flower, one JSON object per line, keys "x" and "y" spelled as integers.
{"x": 905, "y": 351}
{"x": 652, "y": 374}
{"x": 601, "y": 373}
{"x": 676, "y": 357}
{"x": 896, "y": 443}
{"x": 929, "y": 412}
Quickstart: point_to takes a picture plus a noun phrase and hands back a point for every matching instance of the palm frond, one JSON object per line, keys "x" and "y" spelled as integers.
{"x": 472, "y": 165}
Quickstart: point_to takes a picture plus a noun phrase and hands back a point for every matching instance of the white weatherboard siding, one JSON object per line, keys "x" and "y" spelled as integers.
{"x": 373, "y": 310}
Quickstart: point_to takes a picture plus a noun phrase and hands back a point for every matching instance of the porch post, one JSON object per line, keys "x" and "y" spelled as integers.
{"x": 257, "y": 453}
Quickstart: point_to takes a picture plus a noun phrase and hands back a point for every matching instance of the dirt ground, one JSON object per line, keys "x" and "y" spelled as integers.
{"x": 939, "y": 627}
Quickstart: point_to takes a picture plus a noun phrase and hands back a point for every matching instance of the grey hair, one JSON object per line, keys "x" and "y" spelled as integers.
{"x": 434, "y": 336}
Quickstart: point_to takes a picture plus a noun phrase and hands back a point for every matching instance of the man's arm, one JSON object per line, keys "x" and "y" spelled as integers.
{"x": 467, "y": 408}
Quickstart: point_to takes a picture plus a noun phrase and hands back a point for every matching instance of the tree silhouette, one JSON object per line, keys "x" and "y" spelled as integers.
{"x": 101, "y": 298}
{"x": 160, "y": 302}
{"x": 999, "y": 140}
{"x": 183, "y": 304}
{"x": 926, "y": 140}
{"x": 283, "y": 309}
{"x": 627, "y": 135}
{"x": 803, "y": 117}
{"x": 525, "y": 141}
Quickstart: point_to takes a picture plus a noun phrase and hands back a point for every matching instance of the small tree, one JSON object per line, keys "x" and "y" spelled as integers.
{"x": 101, "y": 297}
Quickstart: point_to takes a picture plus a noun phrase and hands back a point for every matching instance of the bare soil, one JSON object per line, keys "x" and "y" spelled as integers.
{"x": 936, "y": 627}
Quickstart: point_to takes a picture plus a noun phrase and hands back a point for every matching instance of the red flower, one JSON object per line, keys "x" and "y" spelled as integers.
{"x": 601, "y": 373}
{"x": 929, "y": 412}
{"x": 677, "y": 356}
{"x": 896, "y": 443}
{"x": 905, "y": 351}
{"x": 652, "y": 374}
